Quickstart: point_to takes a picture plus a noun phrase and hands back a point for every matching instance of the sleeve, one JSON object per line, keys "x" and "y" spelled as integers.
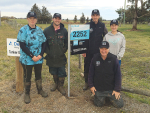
{"x": 91, "y": 75}
{"x": 122, "y": 50}
{"x": 25, "y": 49}
{"x": 105, "y": 31}
{"x": 117, "y": 76}
{"x": 43, "y": 48}
{"x": 21, "y": 35}
{"x": 104, "y": 39}
{"x": 65, "y": 42}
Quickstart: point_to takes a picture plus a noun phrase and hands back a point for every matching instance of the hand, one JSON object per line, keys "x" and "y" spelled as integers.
{"x": 93, "y": 90}
{"x": 117, "y": 94}
{"x": 39, "y": 56}
{"x": 35, "y": 59}
{"x": 84, "y": 54}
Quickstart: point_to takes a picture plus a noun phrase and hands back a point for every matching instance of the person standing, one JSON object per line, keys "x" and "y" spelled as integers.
{"x": 32, "y": 43}
{"x": 97, "y": 32}
{"x": 116, "y": 40}
{"x": 57, "y": 45}
{"x": 105, "y": 77}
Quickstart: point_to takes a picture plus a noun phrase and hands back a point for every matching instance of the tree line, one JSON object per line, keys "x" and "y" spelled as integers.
{"x": 135, "y": 14}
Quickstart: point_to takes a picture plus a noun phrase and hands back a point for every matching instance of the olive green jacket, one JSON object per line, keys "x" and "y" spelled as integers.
{"x": 57, "y": 45}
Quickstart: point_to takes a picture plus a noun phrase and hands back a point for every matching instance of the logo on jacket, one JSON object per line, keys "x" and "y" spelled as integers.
{"x": 114, "y": 41}
{"x": 91, "y": 30}
{"x": 97, "y": 63}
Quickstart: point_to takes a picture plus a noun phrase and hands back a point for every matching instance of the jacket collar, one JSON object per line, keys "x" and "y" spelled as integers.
{"x": 93, "y": 22}
{"x": 31, "y": 28}
{"x": 61, "y": 25}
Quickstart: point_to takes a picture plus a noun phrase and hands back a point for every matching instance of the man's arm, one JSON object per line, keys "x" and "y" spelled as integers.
{"x": 91, "y": 78}
{"x": 117, "y": 88}
{"x": 105, "y": 31}
{"x": 117, "y": 76}
{"x": 66, "y": 42}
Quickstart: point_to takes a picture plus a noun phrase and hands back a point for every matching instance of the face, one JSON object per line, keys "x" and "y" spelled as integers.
{"x": 104, "y": 52}
{"x": 114, "y": 27}
{"x": 95, "y": 17}
{"x": 32, "y": 21}
{"x": 56, "y": 21}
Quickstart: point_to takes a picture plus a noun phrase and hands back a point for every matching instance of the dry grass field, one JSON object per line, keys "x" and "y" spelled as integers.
{"x": 135, "y": 70}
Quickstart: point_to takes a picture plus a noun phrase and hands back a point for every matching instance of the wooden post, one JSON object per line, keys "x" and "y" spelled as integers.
{"x": 19, "y": 76}
{"x": 80, "y": 61}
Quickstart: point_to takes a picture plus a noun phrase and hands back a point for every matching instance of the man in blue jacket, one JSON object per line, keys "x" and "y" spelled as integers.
{"x": 105, "y": 77}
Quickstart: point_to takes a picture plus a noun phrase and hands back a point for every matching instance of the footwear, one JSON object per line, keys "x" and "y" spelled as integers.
{"x": 27, "y": 86}
{"x": 55, "y": 85}
{"x": 39, "y": 88}
{"x": 60, "y": 85}
{"x": 85, "y": 87}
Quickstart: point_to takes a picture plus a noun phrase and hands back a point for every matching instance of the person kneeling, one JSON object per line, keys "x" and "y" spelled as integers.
{"x": 105, "y": 77}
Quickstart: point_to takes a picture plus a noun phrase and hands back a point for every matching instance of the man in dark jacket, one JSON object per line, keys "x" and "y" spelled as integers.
{"x": 105, "y": 77}
{"x": 97, "y": 32}
{"x": 57, "y": 45}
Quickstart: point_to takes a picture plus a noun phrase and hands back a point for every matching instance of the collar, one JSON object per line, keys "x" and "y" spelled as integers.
{"x": 31, "y": 28}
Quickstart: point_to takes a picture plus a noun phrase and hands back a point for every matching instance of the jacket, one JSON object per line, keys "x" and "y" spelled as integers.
{"x": 105, "y": 75}
{"x": 57, "y": 45}
{"x": 97, "y": 32}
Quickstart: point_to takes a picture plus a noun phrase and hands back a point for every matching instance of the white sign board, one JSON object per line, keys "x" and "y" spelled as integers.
{"x": 13, "y": 47}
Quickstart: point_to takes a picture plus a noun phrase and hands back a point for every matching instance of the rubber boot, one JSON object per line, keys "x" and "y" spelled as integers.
{"x": 60, "y": 85}
{"x": 39, "y": 88}
{"x": 55, "y": 85}
{"x": 85, "y": 87}
{"x": 27, "y": 86}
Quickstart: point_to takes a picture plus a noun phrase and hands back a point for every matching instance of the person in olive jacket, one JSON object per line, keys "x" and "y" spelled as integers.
{"x": 57, "y": 45}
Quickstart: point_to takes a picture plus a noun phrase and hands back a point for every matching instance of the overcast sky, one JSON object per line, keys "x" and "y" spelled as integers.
{"x": 68, "y": 8}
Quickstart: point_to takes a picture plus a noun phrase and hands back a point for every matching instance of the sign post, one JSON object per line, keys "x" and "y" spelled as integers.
{"x": 78, "y": 36}
{"x": 13, "y": 49}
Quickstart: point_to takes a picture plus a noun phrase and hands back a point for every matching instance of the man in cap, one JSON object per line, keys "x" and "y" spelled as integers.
{"x": 57, "y": 45}
{"x": 97, "y": 32}
{"x": 105, "y": 77}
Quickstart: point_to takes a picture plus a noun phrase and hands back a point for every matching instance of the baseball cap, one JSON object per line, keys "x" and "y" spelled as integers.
{"x": 114, "y": 22}
{"x": 104, "y": 44}
{"x": 31, "y": 14}
{"x": 95, "y": 11}
{"x": 57, "y": 15}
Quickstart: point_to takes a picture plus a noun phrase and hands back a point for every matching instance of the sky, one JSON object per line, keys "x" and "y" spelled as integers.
{"x": 67, "y": 8}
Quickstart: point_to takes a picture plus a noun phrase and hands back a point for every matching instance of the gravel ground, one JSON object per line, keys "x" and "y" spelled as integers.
{"x": 79, "y": 102}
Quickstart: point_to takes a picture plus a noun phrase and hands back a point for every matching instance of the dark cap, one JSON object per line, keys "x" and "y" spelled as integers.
{"x": 114, "y": 22}
{"x": 104, "y": 44}
{"x": 31, "y": 14}
{"x": 57, "y": 15}
{"x": 95, "y": 11}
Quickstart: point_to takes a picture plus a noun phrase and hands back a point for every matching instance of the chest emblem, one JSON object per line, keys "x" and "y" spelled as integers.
{"x": 97, "y": 63}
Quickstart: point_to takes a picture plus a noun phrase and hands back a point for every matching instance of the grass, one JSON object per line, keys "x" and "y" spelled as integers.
{"x": 135, "y": 65}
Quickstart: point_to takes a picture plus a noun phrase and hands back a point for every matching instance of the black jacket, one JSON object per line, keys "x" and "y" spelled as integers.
{"x": 97, "y": 32}
{"x": 57, "y": 45}
{"x": 105, "y": 75}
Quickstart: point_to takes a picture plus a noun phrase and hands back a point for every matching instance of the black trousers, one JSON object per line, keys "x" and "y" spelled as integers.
{"x": 87, "y": 62}
{"x": 28, "y": 72}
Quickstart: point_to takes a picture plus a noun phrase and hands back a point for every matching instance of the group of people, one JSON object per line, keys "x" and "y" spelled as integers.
{"x": 102, "y": 60}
